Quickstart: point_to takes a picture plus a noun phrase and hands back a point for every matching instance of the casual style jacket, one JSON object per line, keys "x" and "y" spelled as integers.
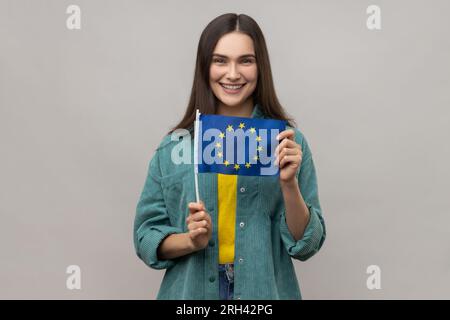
{"x": 264, "y": 246}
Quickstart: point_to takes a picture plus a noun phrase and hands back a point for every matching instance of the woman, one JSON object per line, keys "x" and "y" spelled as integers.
{"x": 237, "y": 243}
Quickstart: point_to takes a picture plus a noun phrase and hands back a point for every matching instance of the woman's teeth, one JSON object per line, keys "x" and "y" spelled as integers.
{"x": 232, "y": 87}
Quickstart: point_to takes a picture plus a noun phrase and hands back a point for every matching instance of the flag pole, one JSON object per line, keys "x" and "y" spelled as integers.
{"x": 196, "y": 140}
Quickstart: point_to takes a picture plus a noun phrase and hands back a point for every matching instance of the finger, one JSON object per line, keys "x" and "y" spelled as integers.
{"x": 208, "y": 217}
{"x": 195, "y": 206}
{"x": 197, "y": 232}
{"x": 289, "y": 159}
{"x": 197, "y": 216}
{"x": 286, "y": 144}
{"x": 198, "y": 224}
{"x": 284, "y": 152}
{"x": 288, "y": 133}
{"x": 288, "y": 151}
{"x": 280, "y": 146}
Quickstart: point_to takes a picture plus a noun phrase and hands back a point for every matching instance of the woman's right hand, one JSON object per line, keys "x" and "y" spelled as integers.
{"x": 199, "y": 225}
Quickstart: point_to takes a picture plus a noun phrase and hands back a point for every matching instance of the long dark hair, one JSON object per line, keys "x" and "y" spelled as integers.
{"x": 203, "y": 98}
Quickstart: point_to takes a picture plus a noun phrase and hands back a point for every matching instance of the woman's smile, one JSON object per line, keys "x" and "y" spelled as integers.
{"x": 232, "y": 88}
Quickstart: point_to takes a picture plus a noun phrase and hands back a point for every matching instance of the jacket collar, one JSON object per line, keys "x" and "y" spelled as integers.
{"x": 257, "y": 112}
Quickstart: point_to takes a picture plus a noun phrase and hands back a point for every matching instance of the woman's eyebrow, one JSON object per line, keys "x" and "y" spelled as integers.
{"x": 242, "y": 56}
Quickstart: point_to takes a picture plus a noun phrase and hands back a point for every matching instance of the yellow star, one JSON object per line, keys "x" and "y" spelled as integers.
{"x": 258, "y": 138}
{"x": 226, "y": 163}
{"x": 252, "y": 130}
{"x": 221, "y": 135}
{"x": 219, "y": 154}
{"x": 218, "y": 145}
{"x": 230, "y": 127}
{"x": 255, "y": 158}
{"x": 247, "y": 165}
{"x": 259, "y": 148}
{"x": 242, "y": 125}
{"x": 236, "y": 166}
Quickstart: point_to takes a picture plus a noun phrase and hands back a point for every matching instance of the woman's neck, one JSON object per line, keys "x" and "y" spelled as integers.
{"x": 244, "y": 110}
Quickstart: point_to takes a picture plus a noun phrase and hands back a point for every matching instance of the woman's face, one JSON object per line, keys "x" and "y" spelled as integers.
{"x": 233, "y": 71}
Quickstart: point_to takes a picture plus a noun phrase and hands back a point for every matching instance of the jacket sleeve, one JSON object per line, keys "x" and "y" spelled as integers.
{"x": 152, "y": 223}
{"x": 315, "y": 232}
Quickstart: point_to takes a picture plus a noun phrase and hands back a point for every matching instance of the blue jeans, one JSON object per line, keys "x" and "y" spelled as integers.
{"x": 226, "y": 281}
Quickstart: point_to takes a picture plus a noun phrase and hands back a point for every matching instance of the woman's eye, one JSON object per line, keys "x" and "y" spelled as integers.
{"x": 218, "y": 60}
{"x": 247, "y": 61}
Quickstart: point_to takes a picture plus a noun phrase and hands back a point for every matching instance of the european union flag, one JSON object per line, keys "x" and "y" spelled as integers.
{"x": 238, "y": 145}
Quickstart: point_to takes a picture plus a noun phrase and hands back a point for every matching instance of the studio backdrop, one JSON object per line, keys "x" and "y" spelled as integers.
{"x": 89, "y": 88}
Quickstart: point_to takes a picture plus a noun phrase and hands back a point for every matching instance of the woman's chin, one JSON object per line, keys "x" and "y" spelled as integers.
{"x": 232, "y": 102}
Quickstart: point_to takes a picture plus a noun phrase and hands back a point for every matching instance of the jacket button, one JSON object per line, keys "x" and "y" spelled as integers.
{"x": 241, "y": 260}
{"x": 211, "y": 243}
{"x": 242, "y": 224}
{"x": 212, "y": 279}
{"x": 242, "y": 189}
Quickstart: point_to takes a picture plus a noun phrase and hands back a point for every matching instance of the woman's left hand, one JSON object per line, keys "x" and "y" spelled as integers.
{"x": 288, "y": 155}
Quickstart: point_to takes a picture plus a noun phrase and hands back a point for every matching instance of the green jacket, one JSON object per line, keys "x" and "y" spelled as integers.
{"x": 264, "y": 246}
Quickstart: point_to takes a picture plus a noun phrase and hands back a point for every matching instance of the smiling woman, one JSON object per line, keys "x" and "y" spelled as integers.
{"x": 237, "y": 243}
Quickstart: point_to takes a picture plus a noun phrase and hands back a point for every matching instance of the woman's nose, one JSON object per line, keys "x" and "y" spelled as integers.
{"x": 233, "y": 73}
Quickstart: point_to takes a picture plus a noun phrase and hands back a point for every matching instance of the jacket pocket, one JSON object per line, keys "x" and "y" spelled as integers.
{"x": 176, "y": 194}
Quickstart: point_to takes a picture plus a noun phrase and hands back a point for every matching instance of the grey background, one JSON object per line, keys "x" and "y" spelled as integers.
{"x": 82, "y": 111}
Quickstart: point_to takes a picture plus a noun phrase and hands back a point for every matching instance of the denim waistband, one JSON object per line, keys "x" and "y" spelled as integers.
{"x": 224, "y": 266}
{"x": 228, "y": 268}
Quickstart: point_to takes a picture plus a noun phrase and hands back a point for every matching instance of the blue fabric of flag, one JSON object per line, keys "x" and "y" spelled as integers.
{"x": 238, "y": 145}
